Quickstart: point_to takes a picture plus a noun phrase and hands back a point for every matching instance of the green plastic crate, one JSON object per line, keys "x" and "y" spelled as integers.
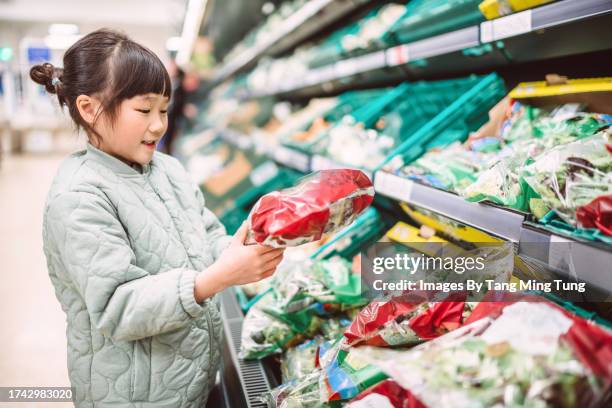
{"x": 427, "y": 18}
{"x": 419, "y": 103}
{"x": 347, "y": 103}
{"x": 463, "y": 115}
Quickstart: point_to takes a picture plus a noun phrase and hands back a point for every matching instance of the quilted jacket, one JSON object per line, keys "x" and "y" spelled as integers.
{"x": 123, "y": 247}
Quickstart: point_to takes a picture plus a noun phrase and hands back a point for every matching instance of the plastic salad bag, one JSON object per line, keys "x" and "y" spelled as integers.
{"x": 323, "y": 202}
{"x": 405, "y": 321}
{"x": 385, "y": 394}
{"x": 597, "y": 214}
{"x": 300, "y": 360}
{"x": 572, "y": 175}
{"x": 528, "y": 133}
{"x": 523, "y": 354}
{"x": 263, "y": 334}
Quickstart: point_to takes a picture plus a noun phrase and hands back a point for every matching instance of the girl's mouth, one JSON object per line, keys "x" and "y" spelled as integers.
{"x": 150, "y": 145}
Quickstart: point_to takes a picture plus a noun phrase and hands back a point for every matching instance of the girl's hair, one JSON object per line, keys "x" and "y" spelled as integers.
{"x": 106, "y": 64}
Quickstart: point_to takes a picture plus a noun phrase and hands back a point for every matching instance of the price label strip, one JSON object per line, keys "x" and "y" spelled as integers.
{"x": 292, "y": 158}
{"x": 506, "y": 27}
{"x": 393, "y": 186}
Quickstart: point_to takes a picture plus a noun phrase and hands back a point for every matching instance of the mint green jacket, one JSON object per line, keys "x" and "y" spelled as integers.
{"x": 123, "y": 248}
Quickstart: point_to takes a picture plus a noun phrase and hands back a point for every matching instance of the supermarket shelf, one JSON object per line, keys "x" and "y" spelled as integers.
{"x": 526, "y": 36}
{"x": 587, "y": 262}
{"x": 283, "y": 155}
{"x": 243, "y": 382}
{"x": 311, "y": 18}
{"x": 496, "y": 221}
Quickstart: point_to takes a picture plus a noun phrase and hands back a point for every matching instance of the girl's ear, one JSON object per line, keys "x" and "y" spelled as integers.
{"x": 89, "y": 108}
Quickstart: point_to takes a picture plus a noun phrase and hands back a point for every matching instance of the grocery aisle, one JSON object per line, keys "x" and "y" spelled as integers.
{"x": 33, "y": 343}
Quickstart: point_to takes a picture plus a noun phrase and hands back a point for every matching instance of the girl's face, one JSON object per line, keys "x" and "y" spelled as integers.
{"x": 140, "y": 123}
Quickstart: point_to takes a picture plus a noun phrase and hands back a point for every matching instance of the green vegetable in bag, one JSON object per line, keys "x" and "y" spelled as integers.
{"x": 263, "y": 334}
{"x": 571, "y": 175}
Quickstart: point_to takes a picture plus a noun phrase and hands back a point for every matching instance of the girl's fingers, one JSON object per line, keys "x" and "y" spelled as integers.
{"x": 269, "y": 256}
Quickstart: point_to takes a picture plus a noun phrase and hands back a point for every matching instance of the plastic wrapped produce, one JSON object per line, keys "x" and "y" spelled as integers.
{"x": 263, "y": 334}
{"x": 407, "y": 320}
{"x": 323, "y": 202}
{"x": 529, "y": 132}
{"x": 385, "y": 394}
{"x": 303, "y": 393}
{"x": 571, "y": 175}
{"x": 300, "y": 360}
{"x": 597, "y": 214}
{"x": 521, "y": 354}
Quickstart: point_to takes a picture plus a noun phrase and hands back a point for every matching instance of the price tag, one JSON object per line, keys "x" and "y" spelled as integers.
{"x": 559, "y": 252}
{"x": 397, "y": 55}
{"x": 345, "y": 68}
{"x": 263, "y": 173}
{"x": 505, "y": 27}
{"x": 291, "y": 158}
{"x": 393, "y": 186}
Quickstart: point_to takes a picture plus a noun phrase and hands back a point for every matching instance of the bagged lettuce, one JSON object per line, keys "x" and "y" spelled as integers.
{"x": 572, "y": 175}
{"x": 263, "y": 334}
{"x": 323, "y": 202}
{"x": 526, "y": 353}
{"x": 300, "y": 360}
{"x": 405, "y": 321}
{"x": 597, "y": 214}
{"x": 385, "y": 394}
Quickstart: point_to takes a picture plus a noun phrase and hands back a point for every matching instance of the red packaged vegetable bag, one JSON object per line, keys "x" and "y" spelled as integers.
{"x": 597, "y": 214}
{"x": 323, "y": 202}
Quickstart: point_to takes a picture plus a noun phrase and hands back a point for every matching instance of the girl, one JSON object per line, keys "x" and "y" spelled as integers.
{"x": 133, "y": 254}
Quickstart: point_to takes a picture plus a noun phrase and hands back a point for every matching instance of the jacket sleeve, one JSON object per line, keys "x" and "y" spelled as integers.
{"x": 124, "y": 302}
{"x": 215, "y": 230}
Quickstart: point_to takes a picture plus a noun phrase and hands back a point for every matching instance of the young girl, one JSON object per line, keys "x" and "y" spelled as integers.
{"x": 133, "y": 254}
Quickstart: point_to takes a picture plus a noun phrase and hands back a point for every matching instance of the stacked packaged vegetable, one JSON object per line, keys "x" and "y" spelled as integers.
{"x": 551, "y": 161}
{"x": 507, "y": 352}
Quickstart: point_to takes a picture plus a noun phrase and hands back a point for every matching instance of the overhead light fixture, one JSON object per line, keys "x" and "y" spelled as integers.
{"x": 191, "y": 29}
{"x": 61, "y": 42}
{"x": 63, "y": 29}
{"x": 173, "y": 43}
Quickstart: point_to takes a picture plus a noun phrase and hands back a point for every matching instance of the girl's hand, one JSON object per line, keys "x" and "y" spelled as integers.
{"x": 237, "y": 265}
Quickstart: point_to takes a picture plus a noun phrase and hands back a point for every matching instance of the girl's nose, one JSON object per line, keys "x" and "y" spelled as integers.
{"x": 157, "y": 126}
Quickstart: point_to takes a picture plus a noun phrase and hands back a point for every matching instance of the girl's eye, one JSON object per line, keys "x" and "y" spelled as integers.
{"x": 164, "y": 112}
{"x": 144, "y": 110}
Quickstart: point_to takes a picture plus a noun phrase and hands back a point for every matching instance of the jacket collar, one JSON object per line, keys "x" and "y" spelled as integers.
{"x": 116, "y": 165}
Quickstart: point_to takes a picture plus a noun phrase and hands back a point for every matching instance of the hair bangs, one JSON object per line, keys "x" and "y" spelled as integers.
{"x": 138, "y": 71}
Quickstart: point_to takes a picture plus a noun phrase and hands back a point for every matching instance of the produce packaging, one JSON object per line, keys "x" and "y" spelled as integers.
{"x": 323, "y": 202}
{"x": 527, "y": 353}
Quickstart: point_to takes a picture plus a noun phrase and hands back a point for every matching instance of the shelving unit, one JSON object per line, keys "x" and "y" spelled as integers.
{"x": 573, "y": 26}
{"x": 311, "y": 18}
{"x": 558, "y": 29}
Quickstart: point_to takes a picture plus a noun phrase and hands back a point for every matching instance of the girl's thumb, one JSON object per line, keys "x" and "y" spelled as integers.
{"x": 240, "y": 235}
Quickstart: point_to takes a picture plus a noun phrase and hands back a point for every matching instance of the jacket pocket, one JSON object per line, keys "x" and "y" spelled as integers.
{"x": 141, "y": 370}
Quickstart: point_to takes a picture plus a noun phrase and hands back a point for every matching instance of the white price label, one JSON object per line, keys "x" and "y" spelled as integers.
{"x": 345, "y": 68}
{"x": 393, "y": 186}
{"x": 397, "y": 55}
{"x": 263, "y": 173}
{"x": 291, "y": 158}
{"x": 505, "y": 27}
{"x": 559, "y": 252}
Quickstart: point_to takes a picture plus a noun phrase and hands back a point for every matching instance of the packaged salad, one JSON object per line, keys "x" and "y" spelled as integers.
{"x": 522, "y": 353}
{"x": 323, "y": 202}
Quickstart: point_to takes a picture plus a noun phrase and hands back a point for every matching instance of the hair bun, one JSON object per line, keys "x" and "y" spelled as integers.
{"x": 47, "y": 75}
